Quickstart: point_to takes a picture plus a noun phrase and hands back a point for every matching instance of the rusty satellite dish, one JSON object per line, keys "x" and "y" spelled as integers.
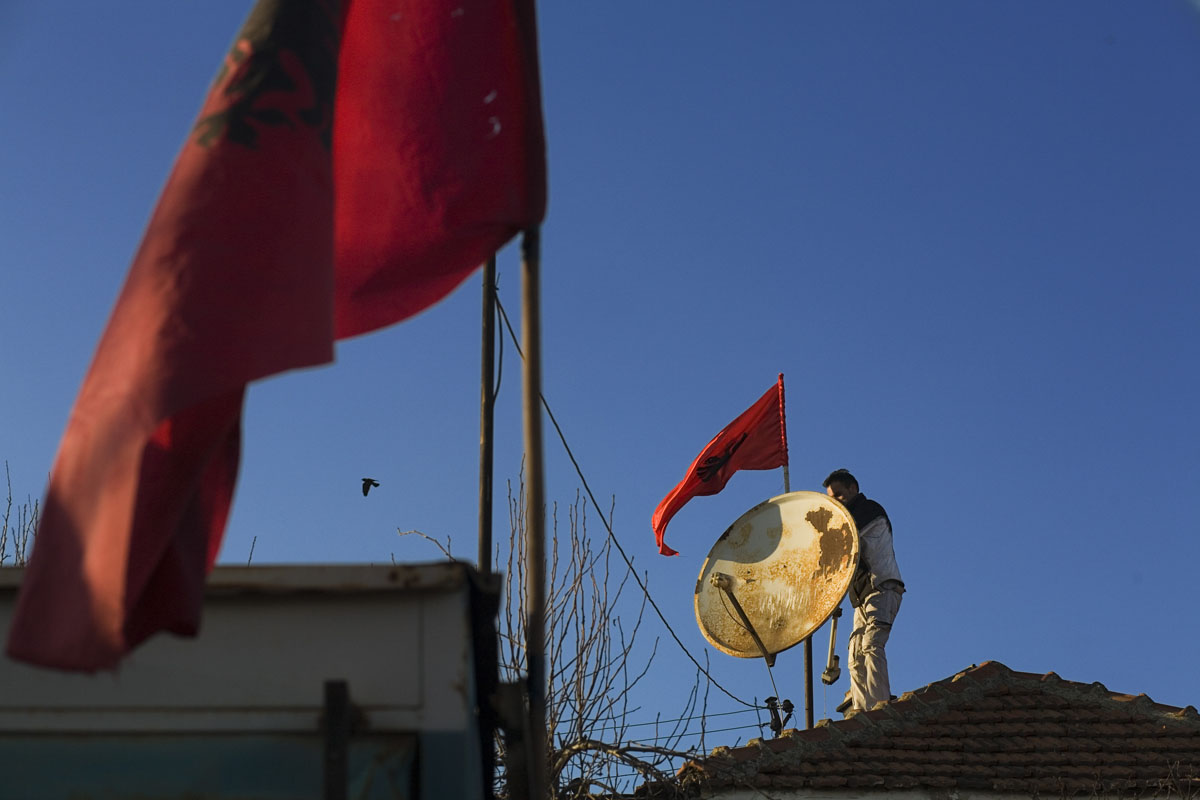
{"x": 775, "y": 576}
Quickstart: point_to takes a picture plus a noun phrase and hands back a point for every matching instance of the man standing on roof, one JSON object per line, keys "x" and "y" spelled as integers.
{"x": 875, "y": 593}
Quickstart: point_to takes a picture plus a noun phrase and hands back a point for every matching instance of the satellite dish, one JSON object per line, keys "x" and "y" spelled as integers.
{"x": 777, "y": 574}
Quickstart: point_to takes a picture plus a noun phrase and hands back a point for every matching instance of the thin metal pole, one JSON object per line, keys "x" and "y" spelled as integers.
{"x": 487, "y": 414}
{"x": 808, "y": 653}
{"x": 535, "y": 530}
{"x": 808, "y": 683}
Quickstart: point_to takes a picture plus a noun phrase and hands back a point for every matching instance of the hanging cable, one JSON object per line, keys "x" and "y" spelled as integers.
{"x": 688, "y": 718}
{"x": 758, "y": 726}
{"x": 611, "y": 536}
{"x": 499, "y": 344}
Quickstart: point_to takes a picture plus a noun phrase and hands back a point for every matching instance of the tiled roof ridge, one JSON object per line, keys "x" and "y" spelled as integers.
{"x": 1095, "y": 694}
{"x": 978, "y": 680}
{"x": 948, "y": 694}
{"x": 987, "y": 727}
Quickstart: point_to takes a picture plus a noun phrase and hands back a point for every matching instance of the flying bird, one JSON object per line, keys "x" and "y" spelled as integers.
{"x": 367, "y": 484}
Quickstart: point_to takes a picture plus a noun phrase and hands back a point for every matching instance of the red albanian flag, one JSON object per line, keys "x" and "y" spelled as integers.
{"x": 353, "y": 163}
{"x": 755, "y": 440}
{"x": 439, "y": 153}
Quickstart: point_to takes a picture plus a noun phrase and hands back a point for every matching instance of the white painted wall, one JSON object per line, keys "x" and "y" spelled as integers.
{"x": 271, "y": 637}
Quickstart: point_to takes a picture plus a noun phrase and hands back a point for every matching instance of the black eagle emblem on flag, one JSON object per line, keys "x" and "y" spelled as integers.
{"x": 711, "y": 466}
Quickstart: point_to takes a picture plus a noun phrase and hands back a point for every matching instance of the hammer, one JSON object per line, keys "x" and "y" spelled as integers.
{"x": 832, "y": 670}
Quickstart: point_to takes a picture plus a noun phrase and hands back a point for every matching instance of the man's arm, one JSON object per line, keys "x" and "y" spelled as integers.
{"x": 875, "y": 542}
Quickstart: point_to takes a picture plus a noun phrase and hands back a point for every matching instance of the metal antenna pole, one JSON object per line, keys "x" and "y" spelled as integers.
{"x": 808, "y": 683}
{"x": 535, "y": 531}
{"x": 487, "y": 414}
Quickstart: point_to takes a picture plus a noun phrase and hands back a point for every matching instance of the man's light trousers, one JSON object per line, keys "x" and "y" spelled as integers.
{"x": 868, "y": 662}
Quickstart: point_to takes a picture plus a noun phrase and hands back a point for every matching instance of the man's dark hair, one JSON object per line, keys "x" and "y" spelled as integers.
{"x": 841, "y": 476}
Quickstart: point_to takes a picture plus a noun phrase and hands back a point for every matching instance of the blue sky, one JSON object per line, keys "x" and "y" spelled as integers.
{"x": 966, "y": 233}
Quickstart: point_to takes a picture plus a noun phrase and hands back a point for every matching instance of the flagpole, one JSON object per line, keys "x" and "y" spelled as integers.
{"x": 487, "y": 414}
{"x": 535, "y": 550}
{"x": 808, "y": 653}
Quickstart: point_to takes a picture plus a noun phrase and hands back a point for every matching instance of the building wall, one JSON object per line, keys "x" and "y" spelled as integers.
{"x": 238, "y": 710}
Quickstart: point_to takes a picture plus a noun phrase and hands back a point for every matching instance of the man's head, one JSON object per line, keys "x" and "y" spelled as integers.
{"x": 841, "y": 486}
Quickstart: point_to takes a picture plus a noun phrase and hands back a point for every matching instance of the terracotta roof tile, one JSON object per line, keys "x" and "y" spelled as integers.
{"x": 780, "y": 745}
{"x": 987, "y": 728}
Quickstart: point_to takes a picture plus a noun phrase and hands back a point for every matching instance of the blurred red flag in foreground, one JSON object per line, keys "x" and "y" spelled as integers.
{"x": 283, "y": 226}
{"x": 755, "y": 440}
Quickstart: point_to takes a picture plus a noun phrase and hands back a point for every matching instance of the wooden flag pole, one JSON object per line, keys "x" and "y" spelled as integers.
{"x": 487, "y": 414}
{"x": 535, "y": 530}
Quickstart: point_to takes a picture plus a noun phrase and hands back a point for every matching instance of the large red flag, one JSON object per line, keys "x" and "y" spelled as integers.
{"x": 757, "y": 439}
{"x": 283, "y": 225}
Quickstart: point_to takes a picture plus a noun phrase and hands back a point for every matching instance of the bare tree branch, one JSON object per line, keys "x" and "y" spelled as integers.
{"x": 16, "y": 537}
{"x": 590, "y": 659}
